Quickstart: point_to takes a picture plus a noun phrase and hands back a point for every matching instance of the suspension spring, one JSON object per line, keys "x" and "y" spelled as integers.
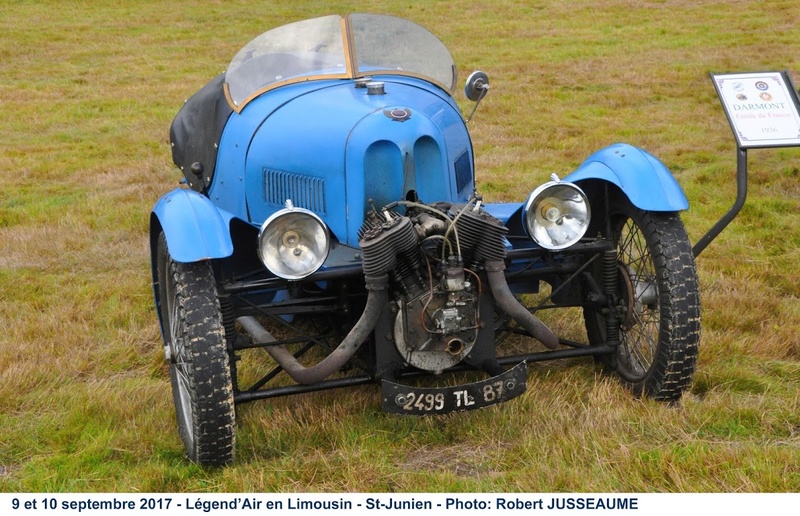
{"x": 611, "y": 291}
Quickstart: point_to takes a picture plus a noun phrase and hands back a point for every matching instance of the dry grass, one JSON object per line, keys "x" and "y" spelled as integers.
{"x": 89, "y": 90}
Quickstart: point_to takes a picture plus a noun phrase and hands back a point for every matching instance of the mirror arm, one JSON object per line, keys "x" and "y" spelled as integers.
{"x": 484, "y": 90}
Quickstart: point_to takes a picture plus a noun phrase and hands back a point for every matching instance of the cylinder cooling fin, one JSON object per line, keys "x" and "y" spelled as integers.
{"x": 483, "y": 234}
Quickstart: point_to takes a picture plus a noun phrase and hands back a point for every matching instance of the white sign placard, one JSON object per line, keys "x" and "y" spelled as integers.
{"x": 762, "y": 108}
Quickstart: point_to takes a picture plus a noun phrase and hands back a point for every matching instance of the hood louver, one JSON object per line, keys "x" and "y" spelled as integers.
{"x": 305, "y": 191}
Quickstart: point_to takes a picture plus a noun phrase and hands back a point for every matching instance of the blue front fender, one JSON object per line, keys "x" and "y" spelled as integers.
{"x": 195, "y": 229}
{"x": 642, "y": 178}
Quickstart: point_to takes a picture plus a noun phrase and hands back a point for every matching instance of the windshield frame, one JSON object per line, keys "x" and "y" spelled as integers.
{"x": 245, "y": 80}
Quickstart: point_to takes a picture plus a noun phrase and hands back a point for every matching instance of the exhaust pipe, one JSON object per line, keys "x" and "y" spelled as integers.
{"x": 495, "y": 270}
{"x": 377, "y": 300}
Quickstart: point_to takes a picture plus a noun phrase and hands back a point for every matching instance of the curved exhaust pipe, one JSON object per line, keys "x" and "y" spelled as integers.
{"x": 495, "y": 271}
{"x": 377, "y": 300}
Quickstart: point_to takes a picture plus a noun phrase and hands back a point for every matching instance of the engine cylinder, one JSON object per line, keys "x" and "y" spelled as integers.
{"x": 381, "y": 242}
{"x": 481, "y": 235}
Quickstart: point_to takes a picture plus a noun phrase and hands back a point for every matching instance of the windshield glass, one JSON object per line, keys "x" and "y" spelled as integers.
{"x": 334, "y": 47}
{"x": 389, "y": 44}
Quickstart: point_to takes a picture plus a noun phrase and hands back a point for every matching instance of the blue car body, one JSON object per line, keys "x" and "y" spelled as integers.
{"x": 329, "y": 172}
{"x": 332, "y": 147}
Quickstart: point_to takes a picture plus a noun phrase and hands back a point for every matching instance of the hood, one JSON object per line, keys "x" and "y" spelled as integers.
{"x": 334, "y": 149}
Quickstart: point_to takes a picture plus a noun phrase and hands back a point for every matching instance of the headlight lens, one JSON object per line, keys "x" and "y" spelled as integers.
{"x": 557, "y": 215}
{"x": 293, "y": 243}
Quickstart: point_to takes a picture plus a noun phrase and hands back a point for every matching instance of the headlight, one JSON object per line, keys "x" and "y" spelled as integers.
{"x": 557, "y": 214}
{"x": 293, "y": 243}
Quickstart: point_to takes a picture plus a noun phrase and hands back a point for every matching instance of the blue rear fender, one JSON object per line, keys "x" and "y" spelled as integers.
{"x": 646, "y": 181}
{"x": 195, "y": 229}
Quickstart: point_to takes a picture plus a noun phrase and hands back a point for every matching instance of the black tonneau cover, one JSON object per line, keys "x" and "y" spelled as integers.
{"x": 196, "y": 131}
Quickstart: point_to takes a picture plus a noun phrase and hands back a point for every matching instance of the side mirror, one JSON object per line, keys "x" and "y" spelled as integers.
{"x": 477, "y": 86}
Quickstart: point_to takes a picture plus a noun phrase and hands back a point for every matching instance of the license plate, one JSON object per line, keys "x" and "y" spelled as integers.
{"x": 420, "y": 401}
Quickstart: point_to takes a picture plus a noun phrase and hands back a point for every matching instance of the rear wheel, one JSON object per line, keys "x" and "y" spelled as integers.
{"x": 198, "y": 359}
{"x": 657, "y": 304}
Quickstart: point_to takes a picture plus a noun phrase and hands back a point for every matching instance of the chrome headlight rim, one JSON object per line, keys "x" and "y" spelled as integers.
{"x": 273, "y": 233}
{"x": 535, "y": 226}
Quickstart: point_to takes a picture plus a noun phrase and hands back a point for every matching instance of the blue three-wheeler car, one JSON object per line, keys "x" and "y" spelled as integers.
{"x": 330, "y": 232}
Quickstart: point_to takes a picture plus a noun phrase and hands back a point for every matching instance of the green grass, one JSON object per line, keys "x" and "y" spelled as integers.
{"x": 88, "y": 91}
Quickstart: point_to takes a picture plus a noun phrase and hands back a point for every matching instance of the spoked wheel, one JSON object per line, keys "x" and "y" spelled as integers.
{"x": 657, "y": 304}
{"x": 198, "y": 359}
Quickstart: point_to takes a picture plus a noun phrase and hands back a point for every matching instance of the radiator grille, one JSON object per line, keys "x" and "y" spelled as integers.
{"x": 304, "y": 191}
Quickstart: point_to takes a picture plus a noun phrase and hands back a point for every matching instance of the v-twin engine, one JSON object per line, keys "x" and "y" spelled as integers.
{"x": 436, "y": 257}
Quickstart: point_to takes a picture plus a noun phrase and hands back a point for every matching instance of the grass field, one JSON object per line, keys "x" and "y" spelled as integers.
{"x": 88, "y": 91}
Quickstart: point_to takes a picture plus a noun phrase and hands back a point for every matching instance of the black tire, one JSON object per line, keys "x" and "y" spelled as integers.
{"x": 198, "y": 359}
{"x": 659, "y": 304}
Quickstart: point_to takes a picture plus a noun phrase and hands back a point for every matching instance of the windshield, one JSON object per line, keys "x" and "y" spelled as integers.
{"x": 336, "y": 47}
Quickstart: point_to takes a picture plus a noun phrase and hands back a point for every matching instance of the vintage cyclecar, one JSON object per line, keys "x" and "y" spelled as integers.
{"x": 330, "y": 226}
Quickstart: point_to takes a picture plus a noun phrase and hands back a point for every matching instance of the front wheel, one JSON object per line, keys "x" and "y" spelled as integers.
{"x": 657, "y": 304}
{"x": 198, "y": 359}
